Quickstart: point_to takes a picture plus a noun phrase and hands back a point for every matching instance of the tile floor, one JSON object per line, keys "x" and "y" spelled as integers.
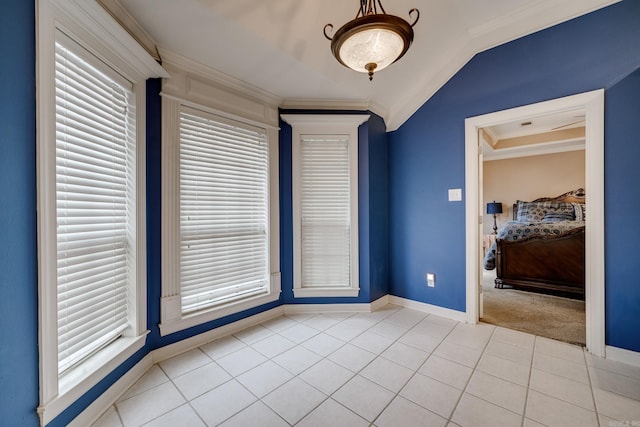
{"x": 393, "y": 367}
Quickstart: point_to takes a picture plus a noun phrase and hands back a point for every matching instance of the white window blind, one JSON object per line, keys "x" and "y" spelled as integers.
{"x": 223, "y": 211}
{"x": 325, "y": 210}
{"x": 95, "y": 203}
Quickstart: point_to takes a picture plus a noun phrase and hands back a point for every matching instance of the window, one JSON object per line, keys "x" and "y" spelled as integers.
{"x": 325, "y": 204}
{"x": 95, "y": 204}
{"x": 224, "y": 211}
{"x": 91, "y": 234}
{"x": 220, "y": 246}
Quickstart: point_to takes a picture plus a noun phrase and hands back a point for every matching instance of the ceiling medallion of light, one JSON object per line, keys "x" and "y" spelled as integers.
{"x": 372, "y": 41}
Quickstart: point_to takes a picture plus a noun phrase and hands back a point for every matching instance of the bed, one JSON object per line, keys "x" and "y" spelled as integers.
{"x": 542, "y": 250}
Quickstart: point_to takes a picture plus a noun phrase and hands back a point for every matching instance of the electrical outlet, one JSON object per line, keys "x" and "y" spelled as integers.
{"x": 431, "y": 279}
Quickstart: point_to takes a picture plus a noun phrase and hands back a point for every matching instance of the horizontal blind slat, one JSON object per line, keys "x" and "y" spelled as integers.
{"x": 95, "y": 206}
{"x": 325, "y": 210}
{"x": 223, "y": 212}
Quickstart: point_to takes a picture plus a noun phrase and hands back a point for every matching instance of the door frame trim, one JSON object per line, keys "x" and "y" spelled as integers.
{"x": 593, "y": 105}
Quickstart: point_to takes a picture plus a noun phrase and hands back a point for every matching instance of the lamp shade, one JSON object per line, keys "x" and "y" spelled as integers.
{"x": 494, "y": 207}
{"x": 372, "y": 41}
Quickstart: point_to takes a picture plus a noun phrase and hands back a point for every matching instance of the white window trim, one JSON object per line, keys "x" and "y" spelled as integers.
{"x": 90, "y": 25}
{"x": 323, "y": 124}
{"x": 177, "y": 93}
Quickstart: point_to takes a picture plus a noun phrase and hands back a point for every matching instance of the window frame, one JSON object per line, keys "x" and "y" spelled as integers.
{"x": 322, "y": 125}
{"x": 172, "y": 318}
{"x": 91, "y": 27}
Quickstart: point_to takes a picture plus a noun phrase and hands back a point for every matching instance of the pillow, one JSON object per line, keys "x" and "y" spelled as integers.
{"x": 579, "y": 211}
{"x": 535, "y": 211}
{"x": 563, "y": 213}
{"x": 529, "y": 211}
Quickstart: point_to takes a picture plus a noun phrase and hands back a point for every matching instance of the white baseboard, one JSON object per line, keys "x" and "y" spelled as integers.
{"x": 379, "y": 303}
{"x": 187, "y": 344}
{"x": 459, "y": 316}
{"x": 622, "y": 355}
{"x": 111, "y": 395}
{"x": 335, "y": 308}
{"x": 94, "y": 411}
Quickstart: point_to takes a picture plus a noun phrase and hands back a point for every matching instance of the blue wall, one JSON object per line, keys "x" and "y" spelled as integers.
{"x": 622, "y": 198}
{"x": 18, "y": 248}
{"x": 372, "y": 211}
{"x": 426, "y": 154}
{"x": 422, "y": 231}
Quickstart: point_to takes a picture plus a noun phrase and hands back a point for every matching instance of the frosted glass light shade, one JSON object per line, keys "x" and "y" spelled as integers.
{"x": 372, "y": 42}
{"x": 372, "y": 46}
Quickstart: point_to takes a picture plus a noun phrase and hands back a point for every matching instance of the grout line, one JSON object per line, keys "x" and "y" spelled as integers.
{"x": 593, "y": 396}
{"x": 407, "y": 327}
{"x": 526, "y": 395}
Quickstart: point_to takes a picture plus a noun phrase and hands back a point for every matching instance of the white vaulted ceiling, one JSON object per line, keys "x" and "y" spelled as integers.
{"x": 278, "y": 45}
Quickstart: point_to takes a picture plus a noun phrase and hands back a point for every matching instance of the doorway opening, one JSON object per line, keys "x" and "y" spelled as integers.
{"x": 592, "y": 104}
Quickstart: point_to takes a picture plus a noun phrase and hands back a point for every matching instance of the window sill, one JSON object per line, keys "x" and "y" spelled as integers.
{"x": 325, "y": 292}
{"x": 79, "y": 380}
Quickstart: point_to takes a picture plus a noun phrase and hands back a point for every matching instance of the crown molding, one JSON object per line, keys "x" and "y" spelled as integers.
{"x": 527, "y": 19}
{"x": 335, "y": 104}
{"x": 129, "y": 24}
{"x": 430, "y": 86}
{"x": 219, "y": 78}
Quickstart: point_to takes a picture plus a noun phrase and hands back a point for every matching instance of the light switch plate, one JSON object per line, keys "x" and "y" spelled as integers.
{"x": 455, "y": 194}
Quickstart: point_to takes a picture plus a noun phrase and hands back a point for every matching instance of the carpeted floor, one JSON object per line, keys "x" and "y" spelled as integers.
{"x": 544, "y": 315}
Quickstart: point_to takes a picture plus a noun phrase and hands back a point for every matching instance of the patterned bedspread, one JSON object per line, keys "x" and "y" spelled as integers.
{"x": 517, "y": 230}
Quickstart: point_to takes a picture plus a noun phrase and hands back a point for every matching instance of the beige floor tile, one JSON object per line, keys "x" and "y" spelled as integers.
{"x": 363, "y": 397}
{"x": 405, "y": 355}
{"x": 457, "y": 353}
{"x": 511, "y": 352}
{"x": 264, "y": 378}
{"x": 554, "y": 412}
{"x": 222, "y": 402}
{"x": 615, "y": 383}
{"x": 388, "y": 374}
{"x": 293, "y": 400}
{"x": 563, "y": 367}
{"x": 374, "y": 343}
{"x": 327, "y": 376}
{"x": 149, "y": 405}
{"x": 200, "y": 380}
{"x": 222, "y": 347}
{"x": 184, "y": 363}
{"x": 331, "y": 413}
{"x": 562, "y": 388}
{"x": 352, "y": 357}
{"x": 472, "y": 411}
{"x": 503, "y": 393}
{"x": 616, "y": 406}
{"x": 257, "y": 414}
{"x": 431, "y": 394}
{"x": 559, "y": 349}
{"x": 241, "y": 361}
{"x": 297, "y": 359}
{"x": 403, "y": 412}
{"x": 181, "y": 416}
{"x": 152, "y": 378}
{"x": 273, "y": 345}
{"x": 446, "y": 371}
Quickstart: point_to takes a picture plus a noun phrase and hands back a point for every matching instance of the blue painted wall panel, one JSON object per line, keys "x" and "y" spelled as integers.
{"x": 426, "y": 154}
{"x": 425, "y": 158}
{"x": 373, "y": 232}
{"x": 18, "y": 245}
{"x": 622, "y": 198}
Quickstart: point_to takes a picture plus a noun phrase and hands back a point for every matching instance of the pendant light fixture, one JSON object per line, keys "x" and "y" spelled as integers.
{"x": 373, "y": 40}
